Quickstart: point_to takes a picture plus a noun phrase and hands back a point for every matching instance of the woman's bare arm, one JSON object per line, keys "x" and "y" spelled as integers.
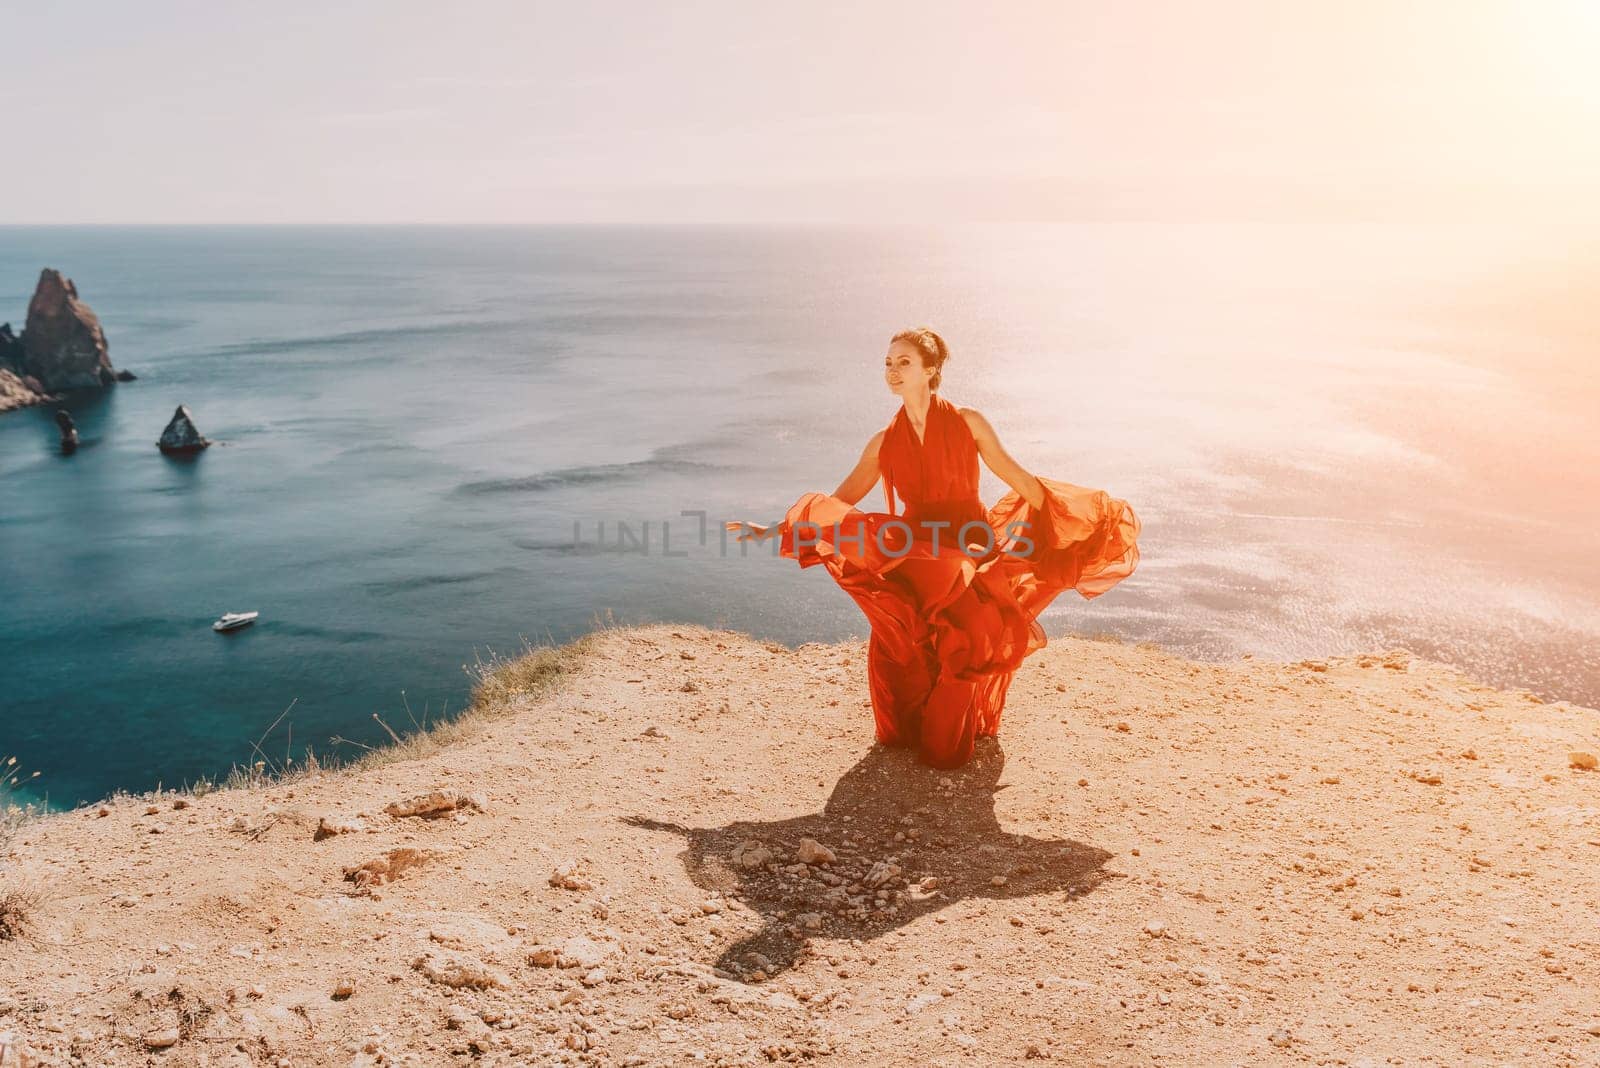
{"x": 858, "y": 483}
{"x": 1000, "y": 461}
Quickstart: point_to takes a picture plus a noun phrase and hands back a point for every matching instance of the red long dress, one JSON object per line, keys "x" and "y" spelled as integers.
{"x": 950, "y": 627}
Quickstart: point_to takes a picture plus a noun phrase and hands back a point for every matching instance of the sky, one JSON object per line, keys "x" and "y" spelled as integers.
{"x": 491, "y": 111}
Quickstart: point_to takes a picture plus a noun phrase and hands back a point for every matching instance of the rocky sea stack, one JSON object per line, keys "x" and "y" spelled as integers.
{"x": 62, "y": 346}
{"x": 181, "y": 438}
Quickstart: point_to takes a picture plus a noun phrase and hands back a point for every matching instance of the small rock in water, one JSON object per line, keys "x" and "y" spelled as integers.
{"x": 69, "y": 432}
{"x": 181, "y": 436}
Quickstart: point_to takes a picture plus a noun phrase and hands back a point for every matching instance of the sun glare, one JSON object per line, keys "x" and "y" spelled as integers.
{"x": 1561, "y": 40}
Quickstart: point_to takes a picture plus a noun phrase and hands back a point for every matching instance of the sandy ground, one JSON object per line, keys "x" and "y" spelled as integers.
{"x": 1359, "y": 861}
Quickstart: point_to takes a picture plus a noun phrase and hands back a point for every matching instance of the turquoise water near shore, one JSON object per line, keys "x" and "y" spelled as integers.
{"x": 1338, "y": 437}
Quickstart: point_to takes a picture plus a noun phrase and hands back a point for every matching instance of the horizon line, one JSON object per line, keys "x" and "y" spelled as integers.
{"x": 1354, "y": 219}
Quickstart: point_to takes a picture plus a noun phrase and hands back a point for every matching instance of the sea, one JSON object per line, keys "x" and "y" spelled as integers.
{"x": 437, "y": 445}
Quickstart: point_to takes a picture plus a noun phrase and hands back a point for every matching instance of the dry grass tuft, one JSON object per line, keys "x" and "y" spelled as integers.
{"x": 500, "y": 681}
{"x": 18, "y": 903}
{"x": 13, "y": 815}
{"x": 501, "y": 684}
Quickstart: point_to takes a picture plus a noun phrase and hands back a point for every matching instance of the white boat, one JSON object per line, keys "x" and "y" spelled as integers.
{"x": 235, "y": 620}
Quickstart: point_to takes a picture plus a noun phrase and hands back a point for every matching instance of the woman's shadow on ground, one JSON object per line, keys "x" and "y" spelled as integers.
{"x": 950, "y": 847}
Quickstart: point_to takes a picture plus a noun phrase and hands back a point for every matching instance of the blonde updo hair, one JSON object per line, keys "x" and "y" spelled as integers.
{"x": 931, "y": 346}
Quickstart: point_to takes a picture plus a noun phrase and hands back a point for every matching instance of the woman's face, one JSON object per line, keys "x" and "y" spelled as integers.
{"x": 902, "y": 367}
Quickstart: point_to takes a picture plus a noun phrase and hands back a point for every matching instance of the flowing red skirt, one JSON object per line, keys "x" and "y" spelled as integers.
{"x": 951, "y": 627}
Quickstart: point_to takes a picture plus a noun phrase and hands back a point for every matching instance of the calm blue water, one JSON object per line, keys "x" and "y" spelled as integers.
{"x": 1338, "y": 438}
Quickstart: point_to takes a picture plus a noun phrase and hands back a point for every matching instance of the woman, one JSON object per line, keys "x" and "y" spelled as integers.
{"x": 953, "y": 591}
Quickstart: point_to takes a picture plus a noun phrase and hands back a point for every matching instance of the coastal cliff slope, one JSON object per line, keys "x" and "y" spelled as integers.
{"x": 668, "y": 844}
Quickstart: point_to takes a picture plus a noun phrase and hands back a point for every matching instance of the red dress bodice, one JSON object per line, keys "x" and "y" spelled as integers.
{"x": 937, "y": 477}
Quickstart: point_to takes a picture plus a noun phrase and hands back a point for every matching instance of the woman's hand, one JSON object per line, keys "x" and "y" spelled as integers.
{"x": 750, "y": 531}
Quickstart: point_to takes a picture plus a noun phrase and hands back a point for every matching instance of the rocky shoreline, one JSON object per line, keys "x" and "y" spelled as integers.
{"x": 62, "y": 347}
{"x": 668, "y": 845}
